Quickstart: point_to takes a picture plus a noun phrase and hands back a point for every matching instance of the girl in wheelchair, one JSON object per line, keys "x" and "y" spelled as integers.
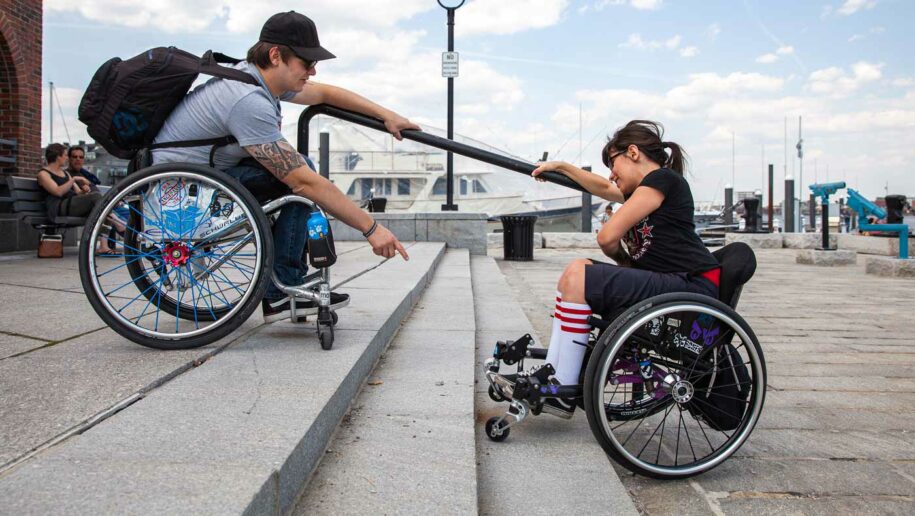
{"x": 667, "y": 347}
{"x": 656, "y": 221}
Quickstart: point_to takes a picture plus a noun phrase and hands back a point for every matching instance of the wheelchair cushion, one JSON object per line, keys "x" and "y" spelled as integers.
{"x": 738, "y": 263}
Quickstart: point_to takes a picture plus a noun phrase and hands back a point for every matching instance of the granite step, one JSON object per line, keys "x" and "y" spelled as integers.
{"x": 238, "y": 433}
{"x": 407, "y": 445}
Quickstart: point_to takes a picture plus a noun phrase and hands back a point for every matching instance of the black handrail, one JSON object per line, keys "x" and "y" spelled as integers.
{"x": 492, "y": 158}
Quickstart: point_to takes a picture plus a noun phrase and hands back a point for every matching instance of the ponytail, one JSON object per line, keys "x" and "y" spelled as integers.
{"x": 648, "y": 137}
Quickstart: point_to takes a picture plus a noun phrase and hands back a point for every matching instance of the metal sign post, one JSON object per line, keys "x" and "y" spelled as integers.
{"x": 450, "y": 71}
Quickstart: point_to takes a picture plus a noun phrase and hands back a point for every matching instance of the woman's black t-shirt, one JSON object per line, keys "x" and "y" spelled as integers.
{"x": 666, "y": 240}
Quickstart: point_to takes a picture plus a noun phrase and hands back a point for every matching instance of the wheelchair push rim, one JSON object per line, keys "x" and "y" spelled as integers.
{"x": 188, "y": 283}
{"x": 660, "y": 436}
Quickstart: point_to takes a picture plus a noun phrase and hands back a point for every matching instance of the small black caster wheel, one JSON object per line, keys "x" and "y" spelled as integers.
{"x": 494, "y": 395}
{"x": 326, "y": 336}
{"x": 334, "y": 317}
{"x": 496, "y": 431}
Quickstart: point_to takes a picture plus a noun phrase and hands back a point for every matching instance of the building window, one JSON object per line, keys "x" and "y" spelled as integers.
{"x": 439, "y": 187}
{"x": 478, "y": 187}
{"x": 403, "y": 187}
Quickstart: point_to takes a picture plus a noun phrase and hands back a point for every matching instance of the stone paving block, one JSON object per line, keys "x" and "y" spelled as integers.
{"x": 888, "y": 266}
{"x": 807, "y": 477}
{"x": 756, "y": 240}
{"x": 807, "y": 240}
{"x": 13, "y": 344}
{"x": 570, "y": 240}
{"x": 822, "y": 258}
{"x": 864, "y": 244}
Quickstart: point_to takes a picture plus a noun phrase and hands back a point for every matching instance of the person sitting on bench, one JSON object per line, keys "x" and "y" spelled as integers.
{"x": 656, "y": 223}
{"x": 70, "y": 196}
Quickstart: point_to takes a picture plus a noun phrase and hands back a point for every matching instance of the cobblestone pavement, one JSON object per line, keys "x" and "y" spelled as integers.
{"x": 837, "y": 434}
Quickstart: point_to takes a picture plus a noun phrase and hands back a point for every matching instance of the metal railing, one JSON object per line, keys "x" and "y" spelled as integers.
{"x": 438, "y": 142}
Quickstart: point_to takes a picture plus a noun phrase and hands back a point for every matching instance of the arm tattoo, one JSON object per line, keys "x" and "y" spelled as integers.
{"x": 279, "y": 157}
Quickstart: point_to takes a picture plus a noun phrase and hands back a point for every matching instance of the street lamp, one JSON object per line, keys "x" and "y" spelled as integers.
{"x": 450, "y": 70}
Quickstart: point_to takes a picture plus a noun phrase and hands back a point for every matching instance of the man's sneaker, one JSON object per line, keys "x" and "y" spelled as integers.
{"x": 282, "y": 308}
{"x": 559, "y": 407}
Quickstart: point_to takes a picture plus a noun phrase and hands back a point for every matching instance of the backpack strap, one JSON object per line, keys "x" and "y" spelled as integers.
{"x": 211, "y": 64}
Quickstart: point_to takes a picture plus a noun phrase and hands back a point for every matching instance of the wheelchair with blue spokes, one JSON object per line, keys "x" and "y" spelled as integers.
{"x": 671, "y": 386}
{"x": 198, "y": 258}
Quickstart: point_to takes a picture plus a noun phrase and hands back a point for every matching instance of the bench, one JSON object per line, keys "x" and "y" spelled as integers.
{"x": 30, "y": 206}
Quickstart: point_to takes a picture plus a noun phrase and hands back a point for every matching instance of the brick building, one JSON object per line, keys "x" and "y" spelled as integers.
{"x": 20, "y": 86}
{"x": 20, "y": 111}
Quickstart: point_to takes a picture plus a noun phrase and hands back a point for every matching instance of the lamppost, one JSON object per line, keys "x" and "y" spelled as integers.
{"x": 450, "y": 70}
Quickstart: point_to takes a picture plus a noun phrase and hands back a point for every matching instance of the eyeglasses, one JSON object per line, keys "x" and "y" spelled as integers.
{"x": 612, "y": 157}
{"x": 309, "y": 64}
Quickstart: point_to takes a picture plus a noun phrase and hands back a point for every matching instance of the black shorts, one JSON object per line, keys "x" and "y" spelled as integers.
{"x": 611, "y": 288}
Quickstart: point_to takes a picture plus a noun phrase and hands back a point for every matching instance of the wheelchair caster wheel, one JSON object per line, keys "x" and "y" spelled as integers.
{"x": 495, "y": 396}
{"x": 326, "y": 336}
{"x": 496, "y": 431}
{"x": 335, "y": 318}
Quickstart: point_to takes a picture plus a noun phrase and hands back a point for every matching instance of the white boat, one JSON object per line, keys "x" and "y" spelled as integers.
{"x": 412, "y": 177}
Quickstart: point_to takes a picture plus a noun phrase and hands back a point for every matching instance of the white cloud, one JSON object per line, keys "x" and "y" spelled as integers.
{"x": 855, "y": 37}
{"x": 835, "y": 82}
{"x": 635, "y": 41}
{"x": 689, "y": 51}
{"x": 903, "y": 82}
{"x": 770, "y": 57}
{"x": 648, "y": 5}
{"x": 852, "y": 6}
{"x": 508, "y": 16}
{"x": 642, "y": 5}
{"x": 239, "y": 16}
{"x": 713, "y": 31}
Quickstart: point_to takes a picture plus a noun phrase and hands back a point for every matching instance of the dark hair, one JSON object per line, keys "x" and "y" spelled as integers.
{"x": 75, "y": 148}
{"x": 259, "y": 54}
{"x": 648, "y": 137}
{"x": 54, "y": 151}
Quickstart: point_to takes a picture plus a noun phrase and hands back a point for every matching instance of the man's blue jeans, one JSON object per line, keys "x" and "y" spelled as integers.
{"x": 290, "y": 229}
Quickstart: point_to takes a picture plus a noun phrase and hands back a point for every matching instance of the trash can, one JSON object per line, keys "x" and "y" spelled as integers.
{"x": 751, "y": 213}
{"x": 895, "y": 204}
{"x": 518, "y": 237}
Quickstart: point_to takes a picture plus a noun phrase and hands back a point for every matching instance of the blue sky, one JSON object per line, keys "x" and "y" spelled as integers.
{"x": 711, "y": 71}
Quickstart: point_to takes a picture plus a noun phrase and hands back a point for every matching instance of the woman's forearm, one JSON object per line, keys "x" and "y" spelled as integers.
{"x": 593, "y": 183}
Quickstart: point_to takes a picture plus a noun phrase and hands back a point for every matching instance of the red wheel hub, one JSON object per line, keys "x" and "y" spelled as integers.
{"x": 176, "y": 254}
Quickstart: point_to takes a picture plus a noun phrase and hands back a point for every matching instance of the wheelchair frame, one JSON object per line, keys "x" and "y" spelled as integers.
{"x": 526, "y": 393}
{"x": 315, "y": 288}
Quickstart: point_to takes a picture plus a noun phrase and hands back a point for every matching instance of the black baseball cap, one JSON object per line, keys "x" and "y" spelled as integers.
{"x": 297, "y": 32}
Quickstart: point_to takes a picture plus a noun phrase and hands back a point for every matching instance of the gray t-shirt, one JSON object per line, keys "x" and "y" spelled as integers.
{"x": 218, "y": 108}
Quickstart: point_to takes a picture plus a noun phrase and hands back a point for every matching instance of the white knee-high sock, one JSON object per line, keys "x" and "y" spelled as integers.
{"x": 573, "y": 337}
{"x": 552, "y": 353}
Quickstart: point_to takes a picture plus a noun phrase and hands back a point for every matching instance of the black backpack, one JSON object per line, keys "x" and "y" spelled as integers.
{"x": 127, "y": 102}
{"x": 720, "y": 399}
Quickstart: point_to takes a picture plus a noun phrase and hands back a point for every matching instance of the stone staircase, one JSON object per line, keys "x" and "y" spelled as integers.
{"x": 388, "y": 421}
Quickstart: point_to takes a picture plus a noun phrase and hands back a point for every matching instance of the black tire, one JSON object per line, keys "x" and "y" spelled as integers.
{"x": 495, "y": 396}
{"x": 628, "y": 337}
{"x": 326, "y": 336}
{"x": 496, "y": 431}
{"x": 254, "y": 226}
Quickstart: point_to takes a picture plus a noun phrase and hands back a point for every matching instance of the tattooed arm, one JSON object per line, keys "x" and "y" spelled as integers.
{"x": 281, "y": 159}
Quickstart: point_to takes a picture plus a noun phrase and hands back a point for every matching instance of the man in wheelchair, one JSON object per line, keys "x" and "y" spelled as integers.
{"x": 282, "y": 61}
{"x": 664, "y": 252}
